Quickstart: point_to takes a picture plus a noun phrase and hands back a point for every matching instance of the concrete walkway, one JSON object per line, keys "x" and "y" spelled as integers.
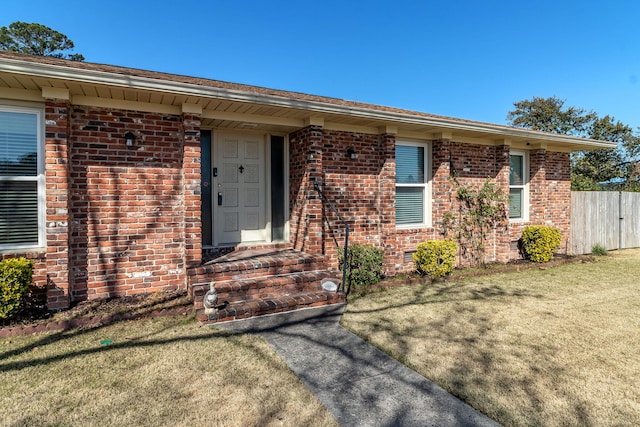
{"x": 360, "y": 385}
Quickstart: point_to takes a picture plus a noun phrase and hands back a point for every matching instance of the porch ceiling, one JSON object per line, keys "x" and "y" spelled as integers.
{"x": 228, "y": 105}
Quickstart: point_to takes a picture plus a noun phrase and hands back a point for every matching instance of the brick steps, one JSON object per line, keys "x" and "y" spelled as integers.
{"x": 275, "y": 304}
{"x": 256, "y": 264}
{"x": 256, "y": 288}
{"x": 258, "y": 282}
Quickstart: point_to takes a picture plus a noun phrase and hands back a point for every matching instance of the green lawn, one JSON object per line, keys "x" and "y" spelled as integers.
{"x": 556, "y": 346}
{"x": 152, "y": 372}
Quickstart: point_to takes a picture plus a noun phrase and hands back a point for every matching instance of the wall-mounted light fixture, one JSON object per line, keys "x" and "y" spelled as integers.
{"x": 129, "y": 139}
{"x": 351, "y": 153}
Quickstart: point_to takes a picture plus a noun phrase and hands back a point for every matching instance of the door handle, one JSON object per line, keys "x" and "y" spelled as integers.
{"x": 219, "y": 198}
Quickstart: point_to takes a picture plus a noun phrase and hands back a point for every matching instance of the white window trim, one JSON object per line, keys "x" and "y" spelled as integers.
{"x": 524, "y": 186}
{"x": 427, "y": 185}
{"x": 40, "y": 178}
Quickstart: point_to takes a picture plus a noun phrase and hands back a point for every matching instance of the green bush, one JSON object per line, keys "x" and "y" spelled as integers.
{"x": 364, "y": 263}
{"x": 599, "y": 250}
{"x": 15, "y": 278}
{"x": 540, "y": 242}
{"x": 436, "y": 258}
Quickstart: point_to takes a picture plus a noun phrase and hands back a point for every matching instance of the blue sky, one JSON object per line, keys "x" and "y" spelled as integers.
{"x": 466, "y": 59}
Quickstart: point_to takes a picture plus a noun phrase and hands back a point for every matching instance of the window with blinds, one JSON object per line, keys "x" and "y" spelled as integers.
{"x": 517, "y": 186}
{"x": 21, "y": 179}
{"x": 411, "y": 184}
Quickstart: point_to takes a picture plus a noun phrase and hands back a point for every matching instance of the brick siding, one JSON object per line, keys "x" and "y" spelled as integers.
{"x": 119, "y": 220}
{"x": 126, "y": 220}
{"x": 363, "y": 191}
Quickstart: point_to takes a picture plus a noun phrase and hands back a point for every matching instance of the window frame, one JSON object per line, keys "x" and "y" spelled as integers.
{"x": 39, "y": 178}
{"x": 524, "y": 186}
{"x": 425, "y": 186}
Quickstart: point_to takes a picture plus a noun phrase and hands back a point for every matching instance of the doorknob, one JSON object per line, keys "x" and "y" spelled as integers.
{"x": 219, "y": 198}
{"x": 241, "y": 168}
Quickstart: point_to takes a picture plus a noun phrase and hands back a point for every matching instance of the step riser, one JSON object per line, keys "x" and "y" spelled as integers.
{"x": 262, "y": 307}
{"x": 235, "y": 291}
{"x": 238, "y": 271}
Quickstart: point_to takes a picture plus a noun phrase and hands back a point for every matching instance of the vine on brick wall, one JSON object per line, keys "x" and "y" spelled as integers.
{"x": 480, "y": 210}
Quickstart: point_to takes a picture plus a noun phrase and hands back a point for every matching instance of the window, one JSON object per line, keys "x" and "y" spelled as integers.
{"x": 412, "y": 191}
{"x": 518, "y": 186}
{"x": 21, "y": 179}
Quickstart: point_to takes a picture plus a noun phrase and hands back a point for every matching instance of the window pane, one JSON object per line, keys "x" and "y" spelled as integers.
{"x": 18, "y": 212}
{"x": 515, "y": 203}
{"x": 409, "y": 205}
{"x": 18, "y": 144}
{"x": 409, "y": 164}
{"x": 516, "y": 177}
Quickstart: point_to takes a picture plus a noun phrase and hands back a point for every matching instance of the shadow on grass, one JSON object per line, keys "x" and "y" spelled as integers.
{"x": 85, "y": 319}
{"x": 475, "y": 358}
{"x": 211, "y": 340}
{"x": 358, "y": 383}
{"x": 140, "y": 341}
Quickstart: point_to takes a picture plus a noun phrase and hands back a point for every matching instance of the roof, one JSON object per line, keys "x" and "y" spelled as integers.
{"x": 225, "y": 104}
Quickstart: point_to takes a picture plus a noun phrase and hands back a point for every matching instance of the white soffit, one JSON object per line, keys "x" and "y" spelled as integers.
{"x": 96, "y": 77}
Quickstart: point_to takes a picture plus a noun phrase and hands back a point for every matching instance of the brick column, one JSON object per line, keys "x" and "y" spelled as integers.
{"x": 191, "y": 191}
{"x": 502, "y": 240}
{"x": 386, "y": 205}
{"x": 538, "y": 195}
{"x": 558, "y": 190}
{"x": 57, "y": 118}
{"x": 444, "y": 199}
{"x": 306, "y": 206}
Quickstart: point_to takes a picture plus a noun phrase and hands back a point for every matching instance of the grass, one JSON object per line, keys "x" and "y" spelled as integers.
{"x": 555, "y": 346}
{"x": 150, "y": 372}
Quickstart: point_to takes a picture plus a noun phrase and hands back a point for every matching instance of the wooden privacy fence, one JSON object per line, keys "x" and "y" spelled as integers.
{"x": 608, "y": 218}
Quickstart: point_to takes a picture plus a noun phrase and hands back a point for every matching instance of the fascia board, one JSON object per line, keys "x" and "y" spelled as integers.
{"x": 189, "y": 89}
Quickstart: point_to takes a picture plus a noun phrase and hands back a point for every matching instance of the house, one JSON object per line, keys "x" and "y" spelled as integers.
{"x": 119, "y": 181}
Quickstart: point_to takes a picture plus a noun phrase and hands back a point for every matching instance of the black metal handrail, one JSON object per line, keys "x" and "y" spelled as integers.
{"x": 345, "y": 263}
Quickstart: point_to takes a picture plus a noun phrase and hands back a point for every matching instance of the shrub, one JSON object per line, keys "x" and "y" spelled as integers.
{"x": 436, "y": 258}
{"x": 15, "y": 278}
{"x": 599, "y": 250}
{"x": 364, "y": 263}
{"x": 540, "y": 242}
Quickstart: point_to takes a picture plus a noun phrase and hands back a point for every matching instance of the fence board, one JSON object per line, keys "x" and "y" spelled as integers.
{"x": 630, "y": 214}
{"x": 597, "y": 218}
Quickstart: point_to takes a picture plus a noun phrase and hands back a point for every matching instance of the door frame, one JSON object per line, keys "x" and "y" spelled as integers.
{"x": 215, "y": 133}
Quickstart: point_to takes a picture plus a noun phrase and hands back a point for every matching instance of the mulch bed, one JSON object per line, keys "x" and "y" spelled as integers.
{"x": 489, "y": 269}
{"x": 91, "y": 314}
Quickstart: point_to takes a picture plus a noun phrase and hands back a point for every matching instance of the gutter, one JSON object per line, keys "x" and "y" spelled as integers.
{"x": 80, "y": 75}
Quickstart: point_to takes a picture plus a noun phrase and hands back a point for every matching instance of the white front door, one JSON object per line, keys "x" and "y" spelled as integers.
{"x": 239, "y": 208}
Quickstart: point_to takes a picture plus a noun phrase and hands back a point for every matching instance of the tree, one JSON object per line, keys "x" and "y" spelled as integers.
{"x": 588, "y": 168}
{"x": 549, "y": 115}
{"x": 36, "y": 39}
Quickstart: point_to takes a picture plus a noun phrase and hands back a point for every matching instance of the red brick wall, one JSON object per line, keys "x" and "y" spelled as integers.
{"x": 352, "y": 185}
{"x": 455, "y": 164}
{"x": 305, "y": 214}
{"x": 363, "y": 190}
{"x": 125, "y": 220}
{"x": 128, "y": 204}
{"x": 57, "y": 180}
{"x": 558, "y": 212}
{"x": 192, "y": 190}
{"x": 549, "y": 196}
